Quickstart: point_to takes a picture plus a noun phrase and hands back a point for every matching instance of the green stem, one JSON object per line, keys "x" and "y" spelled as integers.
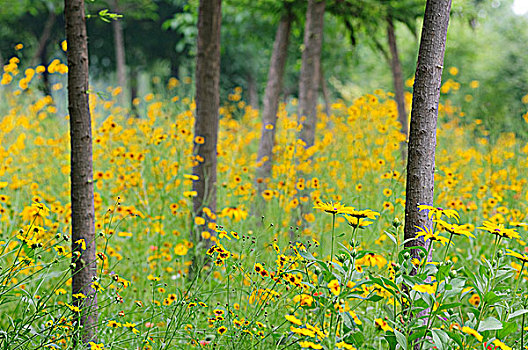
{"x": 482, "y": 309}
{"x": 333, "y": 231}
{"x": 519, "y": 279}
{"x": 447, "y": 246}
{"x": 426, "y": 258}
{"x": 522, "y": 332}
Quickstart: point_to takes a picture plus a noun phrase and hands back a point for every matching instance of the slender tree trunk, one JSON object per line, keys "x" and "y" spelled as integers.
{"x": 44, "y": 37}
{"x": 271, "y": 102}
{"x": 207, "y": 105}
{"x": 311, "y": 60}
{"x": 324, "y": 90}
{"x": 253, "y": 91}
{"x": 424, "y": 114}
{"x": 82, "y": 196}
{"x": 133, "y": 90}
{"x": 119, "y": 45}
{"x": 175, "y": 69}
{"x": 397, "y": 79}
{"x": 46, "y": 88}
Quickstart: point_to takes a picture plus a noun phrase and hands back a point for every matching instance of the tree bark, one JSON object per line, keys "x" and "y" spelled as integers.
{"x": 252, "y": 91}
{"x": 309, "y": 79}
{"x": 119, "y": 45}
{"x": 271, "y": 102}
{"x": 82, "y": 195}
{"x": 397, "y": 79}
{"x": 424, "y": 114}
{"x": 207, "y": 105}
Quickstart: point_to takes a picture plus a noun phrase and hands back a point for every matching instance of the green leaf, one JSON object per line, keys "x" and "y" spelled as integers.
{"x": 391, "y": 340}
{"x": 440, "y": 338}
{"x": 517, "y": 314}
{"x": 307, "y": 255}
{"x": 374, "y": 298}
{"x": 400, "y": 338}
{"x": 359, "y": 338}
{"x": 338, "y": 267}
{"x": 490, "y": 324}
{"x": 456, "y": 337}
{"x": 448, "y": 306}
{"x": 491, "y": 298}
{"x": 507, "y": 329}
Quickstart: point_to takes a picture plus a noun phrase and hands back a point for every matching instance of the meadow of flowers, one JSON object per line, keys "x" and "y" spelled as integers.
{"x": 322, "y": 264}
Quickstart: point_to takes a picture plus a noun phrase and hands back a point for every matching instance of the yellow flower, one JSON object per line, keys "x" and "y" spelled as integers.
{"x": 357, "y": 222}
{"x": 523, "y": 258}
{"x": 363, "y": 214}
{"x": 180, "y": 249}
{"x": 97, "y": 287}
{"x": 131, "y": 326}
{"x": 199, "y": 221}
{"x": 94, "y": 346}
{"x": 303, "y": 299}
{"x": 332, "y": 208}
{"x": 79, "y": 296}
{"x": 43, "y": 209}
{"x": 293, "y": 319}
{"x": 380, "y": 323}
{"x": 309, "y": 345}
{"x": 454, "y": 228}
{"x": 499, "y": 230}
{"x": 501, "y": 345}
{"x": 73, "y": 308}
{"x": 425, "y": 288}
{"x": 303, "y": 331}
{"x": 343, "y": 345}
{"x": 472, "y": 332}
{"x": 437, "y": 212}
{"x": 372, "y": 259}
{"x": 334, "y": 287}
{"x": 428, "y": 234}
{"x": 82, "y": 243}
{"x": 474, "y": 300}
{"x": 113, "y": 324}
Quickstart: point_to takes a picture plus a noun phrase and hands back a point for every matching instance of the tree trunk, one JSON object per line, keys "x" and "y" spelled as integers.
{"x": 424, "y": 114}
{"x": 46, "y": 86}
{"x": 133, "y": 91}
{"x": 309, "y": 79}
{"x": 44, "y": 37}
{"x": 82, "y": 196}
{"x": 119, "y": 44}
{"x": 271, "y": 102}
{"x": 397, "y": 78}
{"x": 207, "y": 106}
{"x": 253, "y": 91}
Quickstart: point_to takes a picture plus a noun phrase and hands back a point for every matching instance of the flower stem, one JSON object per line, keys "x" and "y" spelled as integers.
{"x": 522, "y": 332}
{"x": 447, "y": 246}
{"x": 333, "y": 231}
{"x": 519, "y": 280}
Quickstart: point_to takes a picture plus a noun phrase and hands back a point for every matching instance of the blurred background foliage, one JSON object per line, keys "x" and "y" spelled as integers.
{"x": 486, "y": 46}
